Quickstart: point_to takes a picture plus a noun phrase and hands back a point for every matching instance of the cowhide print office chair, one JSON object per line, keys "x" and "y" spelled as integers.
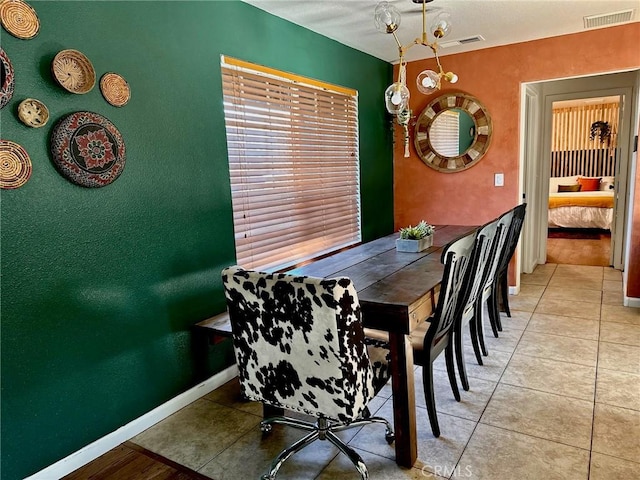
{"x": 299, "y": 345}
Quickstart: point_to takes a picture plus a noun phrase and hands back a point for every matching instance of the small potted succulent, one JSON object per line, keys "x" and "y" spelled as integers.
{"x": 415, "y": 239}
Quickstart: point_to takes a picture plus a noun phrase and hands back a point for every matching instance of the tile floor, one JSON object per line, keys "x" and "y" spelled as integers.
{"x": 557, "y": 398}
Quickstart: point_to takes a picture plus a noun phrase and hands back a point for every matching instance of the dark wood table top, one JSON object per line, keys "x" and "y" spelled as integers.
{"x": 397, "y": 290}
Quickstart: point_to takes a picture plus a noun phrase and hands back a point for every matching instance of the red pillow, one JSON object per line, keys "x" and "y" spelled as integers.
{"x": 589, "y": 184}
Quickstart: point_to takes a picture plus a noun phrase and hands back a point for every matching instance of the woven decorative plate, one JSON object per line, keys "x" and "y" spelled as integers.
{"x": 115, "y": 89}
{"x": 33, "y": 113}
{"x": 73, "y": 71}
{"x": 7, "y": 79}
{"x": 88, "y": 149}
{"x": 15, "y": 165}
{"x": 19, "y": 19}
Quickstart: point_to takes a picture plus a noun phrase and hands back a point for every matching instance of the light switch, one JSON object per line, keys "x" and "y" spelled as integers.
{"x": 499, "y": 180}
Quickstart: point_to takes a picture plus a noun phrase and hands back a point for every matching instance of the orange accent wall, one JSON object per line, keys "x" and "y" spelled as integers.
{"x": 494, "y": 76}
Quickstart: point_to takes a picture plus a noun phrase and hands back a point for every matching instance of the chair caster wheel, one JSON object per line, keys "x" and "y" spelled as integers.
{"x": 390, "y": 438}
{"x": 266, "y": 476}
{"x": 266, "y": 428}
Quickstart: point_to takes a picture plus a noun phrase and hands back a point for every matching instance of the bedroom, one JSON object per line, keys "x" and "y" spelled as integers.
{"x": 582, "y": 182}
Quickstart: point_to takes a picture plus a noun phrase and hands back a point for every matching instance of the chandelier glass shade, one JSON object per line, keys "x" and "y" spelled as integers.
{"x": 427, "y": 81}
{"x": 387, "y": 20}
{"x": 441, "y": 25}
{"x": 387, "y": 17}
{"x": 396, "y": 98}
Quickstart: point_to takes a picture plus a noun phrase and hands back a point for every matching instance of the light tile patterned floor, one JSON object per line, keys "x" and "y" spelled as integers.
{"x": 558, "y": 397}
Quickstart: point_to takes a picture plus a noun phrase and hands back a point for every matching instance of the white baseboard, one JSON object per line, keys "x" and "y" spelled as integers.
{"x": 103, "y": 445}
{"x": 631, "y": 302}
{"x": 514, "y": 290}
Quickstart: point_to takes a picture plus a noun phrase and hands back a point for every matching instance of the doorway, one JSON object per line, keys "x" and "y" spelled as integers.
{"x": 536, "y": 131}
{"x": 584, "y": 149}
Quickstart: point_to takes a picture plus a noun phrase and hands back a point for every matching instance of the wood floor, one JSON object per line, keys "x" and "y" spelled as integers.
{"x": 132, "y": 462}
{"x": 573, "y": 251}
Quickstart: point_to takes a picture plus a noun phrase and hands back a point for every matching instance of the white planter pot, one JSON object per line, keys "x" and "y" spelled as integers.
{"x": 414, "y": 246}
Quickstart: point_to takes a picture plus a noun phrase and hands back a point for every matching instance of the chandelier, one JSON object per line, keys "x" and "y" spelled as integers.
{"x": 396, "y": 97}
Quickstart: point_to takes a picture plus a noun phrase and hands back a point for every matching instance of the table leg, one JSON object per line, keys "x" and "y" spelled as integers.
{"x": 404, "y": 399}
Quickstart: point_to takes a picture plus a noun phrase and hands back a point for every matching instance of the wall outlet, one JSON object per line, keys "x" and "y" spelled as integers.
{"x": 499, "y": 180}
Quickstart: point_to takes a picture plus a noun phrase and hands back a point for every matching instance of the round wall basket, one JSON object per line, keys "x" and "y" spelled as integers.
{"x": 115, "y": 89}
{"x": 15, "y": 165}
{"x": 453, "y": 133}
{"x": 73, "y": 71}
{"x": 33, "y": 113}
{"x": 19, "y": 19}
{"x": 88, "y": 149}
{"x": 7, "y": 79}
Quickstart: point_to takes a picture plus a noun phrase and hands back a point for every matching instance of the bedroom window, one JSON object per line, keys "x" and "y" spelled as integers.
{"x": 577, "y": 144}
{"x": 294, "y": 166}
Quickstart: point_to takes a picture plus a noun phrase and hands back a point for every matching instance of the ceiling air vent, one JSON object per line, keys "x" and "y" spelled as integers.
{"x": 606, "y": 19}
{"x": 462, "y": 41}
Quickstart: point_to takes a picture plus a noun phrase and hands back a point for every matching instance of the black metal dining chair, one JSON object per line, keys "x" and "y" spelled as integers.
{"x": 487, "y": 250}
{"x": 437, "y": 333}
{"x": 483, "y": 253}
{"x": 486, "y": 295}
{"x": 501, "y": 281}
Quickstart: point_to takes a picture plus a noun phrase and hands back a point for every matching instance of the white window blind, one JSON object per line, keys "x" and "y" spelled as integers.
{"x": 444, "y": 133}
{"x": 294, "y": 166}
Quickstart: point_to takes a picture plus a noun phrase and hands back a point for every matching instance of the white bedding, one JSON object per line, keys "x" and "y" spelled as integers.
{"x": 581, "y": 217}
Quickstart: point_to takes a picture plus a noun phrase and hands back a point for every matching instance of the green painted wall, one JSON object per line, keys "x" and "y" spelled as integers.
{"x": 101, "y": 286}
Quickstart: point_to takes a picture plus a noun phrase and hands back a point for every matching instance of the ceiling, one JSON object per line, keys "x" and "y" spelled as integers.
{"x": 499, "y": 22}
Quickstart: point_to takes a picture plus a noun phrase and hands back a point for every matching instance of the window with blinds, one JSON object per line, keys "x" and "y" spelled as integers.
{"x": 444, "y": 133}
{"x": 294, "y": 165}
{"x": 576, "y": 149}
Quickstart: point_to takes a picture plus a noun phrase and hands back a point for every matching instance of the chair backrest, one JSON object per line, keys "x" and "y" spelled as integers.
{"x": 454, "y": 289}
{"x": 299, "y": 342}
{"x": 502, "y": 230}
{"x": 484, "y": 253}
{"x": 513, "y": 236}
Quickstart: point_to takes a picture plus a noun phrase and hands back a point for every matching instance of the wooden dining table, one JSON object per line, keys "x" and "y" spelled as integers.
{"x": 397, "y": 292}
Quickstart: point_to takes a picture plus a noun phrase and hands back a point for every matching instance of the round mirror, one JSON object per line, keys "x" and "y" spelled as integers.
{"x": 453, "y": 132}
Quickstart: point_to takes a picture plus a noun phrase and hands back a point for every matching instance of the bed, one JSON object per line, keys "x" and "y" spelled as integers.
{"x": 580, "y": 209}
